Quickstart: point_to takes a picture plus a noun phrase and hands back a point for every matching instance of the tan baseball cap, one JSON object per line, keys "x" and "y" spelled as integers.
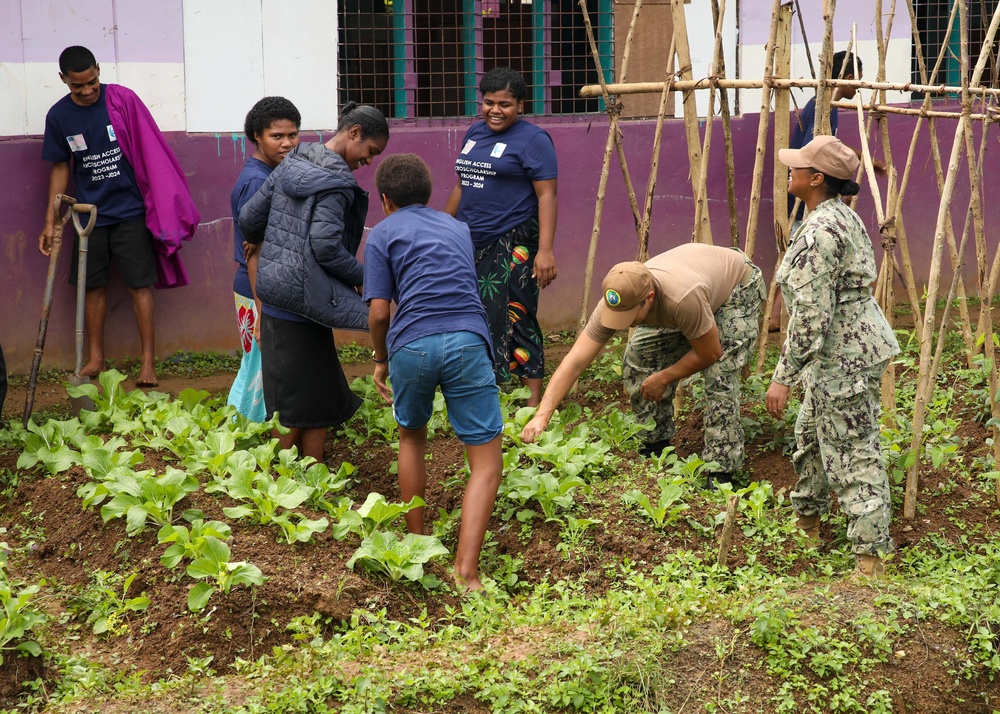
{"x": 625, "y": 288}
{"x": 826, "y": 154}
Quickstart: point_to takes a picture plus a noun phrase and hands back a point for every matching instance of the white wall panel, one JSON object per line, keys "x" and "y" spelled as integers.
{"x": 161, "y": 88}
{"x": 897, "y": 65}
{"x": 701, "y": 38}
{"x": 13, "y": 108}
{"x": 223, "y": 61}
{"x": 45, "y": 89}
{"x": 300, "y": 58}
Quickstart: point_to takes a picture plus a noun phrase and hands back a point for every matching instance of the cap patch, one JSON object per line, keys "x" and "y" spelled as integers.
{"x": 613, "y": 298}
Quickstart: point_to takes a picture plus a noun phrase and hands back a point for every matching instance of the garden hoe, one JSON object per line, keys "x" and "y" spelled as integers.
{"x": 50, "y": 284}
{"x": 76, "y": 379}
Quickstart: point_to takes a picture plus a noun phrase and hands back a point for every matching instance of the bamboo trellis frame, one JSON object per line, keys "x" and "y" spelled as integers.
{"x": 977, "y": 104}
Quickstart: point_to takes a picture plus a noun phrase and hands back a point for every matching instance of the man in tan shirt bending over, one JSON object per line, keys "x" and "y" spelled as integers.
{"x": 696, "y": 308}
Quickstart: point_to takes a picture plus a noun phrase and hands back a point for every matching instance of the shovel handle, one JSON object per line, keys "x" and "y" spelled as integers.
{"x": 79, "y": 208}
{"x": 50, "y": 282}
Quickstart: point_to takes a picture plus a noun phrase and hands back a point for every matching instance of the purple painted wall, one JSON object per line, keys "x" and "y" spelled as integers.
{"x": 200, "y": 316}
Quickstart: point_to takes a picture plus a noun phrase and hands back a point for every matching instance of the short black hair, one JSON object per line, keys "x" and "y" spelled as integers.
{"x": 76, "y": 59}
{"x": 371, "y": 120}
{"x": 500, "y": 79}
{"x": 405, "y": 179}
{"x": 267, "y": 111}
{"x": 844, "y": 62}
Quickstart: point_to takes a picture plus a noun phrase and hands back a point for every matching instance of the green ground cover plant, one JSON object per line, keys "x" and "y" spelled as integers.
{"x": 604, "y": 591}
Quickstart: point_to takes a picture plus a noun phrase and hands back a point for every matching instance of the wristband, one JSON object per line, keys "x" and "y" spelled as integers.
{"x": 376, "y": 360}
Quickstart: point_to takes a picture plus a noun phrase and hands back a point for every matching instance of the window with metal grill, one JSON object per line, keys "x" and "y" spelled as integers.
{"x": 423, "y": 59}
{"x": 933, "y": 19}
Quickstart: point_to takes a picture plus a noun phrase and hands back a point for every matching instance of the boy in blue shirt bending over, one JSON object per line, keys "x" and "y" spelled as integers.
{"x": 422, "y": 259}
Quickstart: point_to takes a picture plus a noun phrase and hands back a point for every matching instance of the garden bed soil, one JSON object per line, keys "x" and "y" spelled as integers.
{"x": 72, "y": 543}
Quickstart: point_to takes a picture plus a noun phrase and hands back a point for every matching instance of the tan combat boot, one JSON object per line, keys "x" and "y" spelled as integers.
{"x": 869, "y": 566}
{"x": 810, "y": 526}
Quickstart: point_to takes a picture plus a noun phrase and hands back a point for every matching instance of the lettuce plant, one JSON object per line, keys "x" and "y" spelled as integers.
{"x": 18, "y": 617}
{"x": 189, "y": 544}
{"x": 374, "y": 514}
{"x": 385, "y": 554}
{"x": 215, "y": 566}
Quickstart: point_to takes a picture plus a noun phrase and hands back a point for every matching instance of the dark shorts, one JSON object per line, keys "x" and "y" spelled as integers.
{"x": 130, "y": 244}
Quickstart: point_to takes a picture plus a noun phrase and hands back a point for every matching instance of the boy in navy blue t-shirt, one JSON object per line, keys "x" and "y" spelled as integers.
{"x": 422, "y": 260}
{"x": 80, "y": 139}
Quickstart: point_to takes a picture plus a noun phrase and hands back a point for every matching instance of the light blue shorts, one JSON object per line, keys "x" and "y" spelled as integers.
{"x": 460, "y": 363}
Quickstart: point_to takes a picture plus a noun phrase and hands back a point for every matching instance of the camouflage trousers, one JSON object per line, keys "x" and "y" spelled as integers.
{"x": 652, "y": 349}
{"x": 837, "y": 448}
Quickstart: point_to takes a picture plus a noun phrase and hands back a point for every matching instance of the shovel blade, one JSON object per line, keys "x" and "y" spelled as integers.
{"x": 79, "y": 404}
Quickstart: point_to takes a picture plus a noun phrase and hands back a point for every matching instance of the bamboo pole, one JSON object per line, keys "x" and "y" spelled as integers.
{"x": 726, "y": 539}
{"x": 612, "y": 141}
{"x": 822, "y": 125}
{"x": 907, "y": 265}
{"x": 985, "y": 301}
{"x": 613, "y": 116}
{"x": 595, "y": 90}
{"x": 805, "y": 40}
{"x": 908, "y": 111}
{"x": 727, "y": 130}
{"x": 779, "y": 186}
{"x": 956, "y": 259}
{"x": 892, "y": 229}
{"x": 702, "y": 226}
{"x": 925, "y": 379}
{"x": 886, "y": 228}
{"x": 701, "y": 215}
{"x": 647, "y": 209}
{"x": 765, "y": 114}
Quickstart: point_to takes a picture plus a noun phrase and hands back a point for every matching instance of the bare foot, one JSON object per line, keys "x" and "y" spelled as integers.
{"x": 147, "y": 377}
{"x": 93, "y": 368}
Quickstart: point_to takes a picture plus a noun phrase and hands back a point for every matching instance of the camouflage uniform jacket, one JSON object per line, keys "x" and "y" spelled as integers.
{"x": 835, "y": 326}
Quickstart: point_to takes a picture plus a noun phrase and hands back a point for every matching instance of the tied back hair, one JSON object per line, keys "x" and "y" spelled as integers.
{"x": 371, "y": 120}
{"x": 840, "y": 187}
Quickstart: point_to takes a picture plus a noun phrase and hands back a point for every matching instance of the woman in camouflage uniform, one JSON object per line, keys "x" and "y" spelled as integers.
{"x": 838, "y": 345}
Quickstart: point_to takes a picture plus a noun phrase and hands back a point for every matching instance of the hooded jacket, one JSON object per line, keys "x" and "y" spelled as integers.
{"x": 310, "y": 215}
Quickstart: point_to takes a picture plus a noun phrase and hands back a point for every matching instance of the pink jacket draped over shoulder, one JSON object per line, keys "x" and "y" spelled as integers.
{"x": 171, "y": 214}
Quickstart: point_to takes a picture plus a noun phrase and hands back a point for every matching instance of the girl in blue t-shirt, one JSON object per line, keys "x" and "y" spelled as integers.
{"x": 272, "y": 126}
{"x": 506, "y": 193}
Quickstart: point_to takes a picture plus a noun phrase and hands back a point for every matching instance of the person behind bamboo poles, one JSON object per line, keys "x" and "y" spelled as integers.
{"x": 310, "y": 215}
{"x": 695, "y": 309}
{"x": 272, "y": 126}
{"x": 838, "y": 344}
{"x": 506, "y": 193}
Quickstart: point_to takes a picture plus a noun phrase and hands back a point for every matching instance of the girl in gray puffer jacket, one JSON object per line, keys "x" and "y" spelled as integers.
{"x": 309, "y": 217}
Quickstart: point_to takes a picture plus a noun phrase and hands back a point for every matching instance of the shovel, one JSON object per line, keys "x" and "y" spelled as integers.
{"x": 76, "y": 379}
{"x": 50, "y": 284}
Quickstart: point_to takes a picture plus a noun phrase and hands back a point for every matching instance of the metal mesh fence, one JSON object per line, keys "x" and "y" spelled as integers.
{"x": 423, "y": 59}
